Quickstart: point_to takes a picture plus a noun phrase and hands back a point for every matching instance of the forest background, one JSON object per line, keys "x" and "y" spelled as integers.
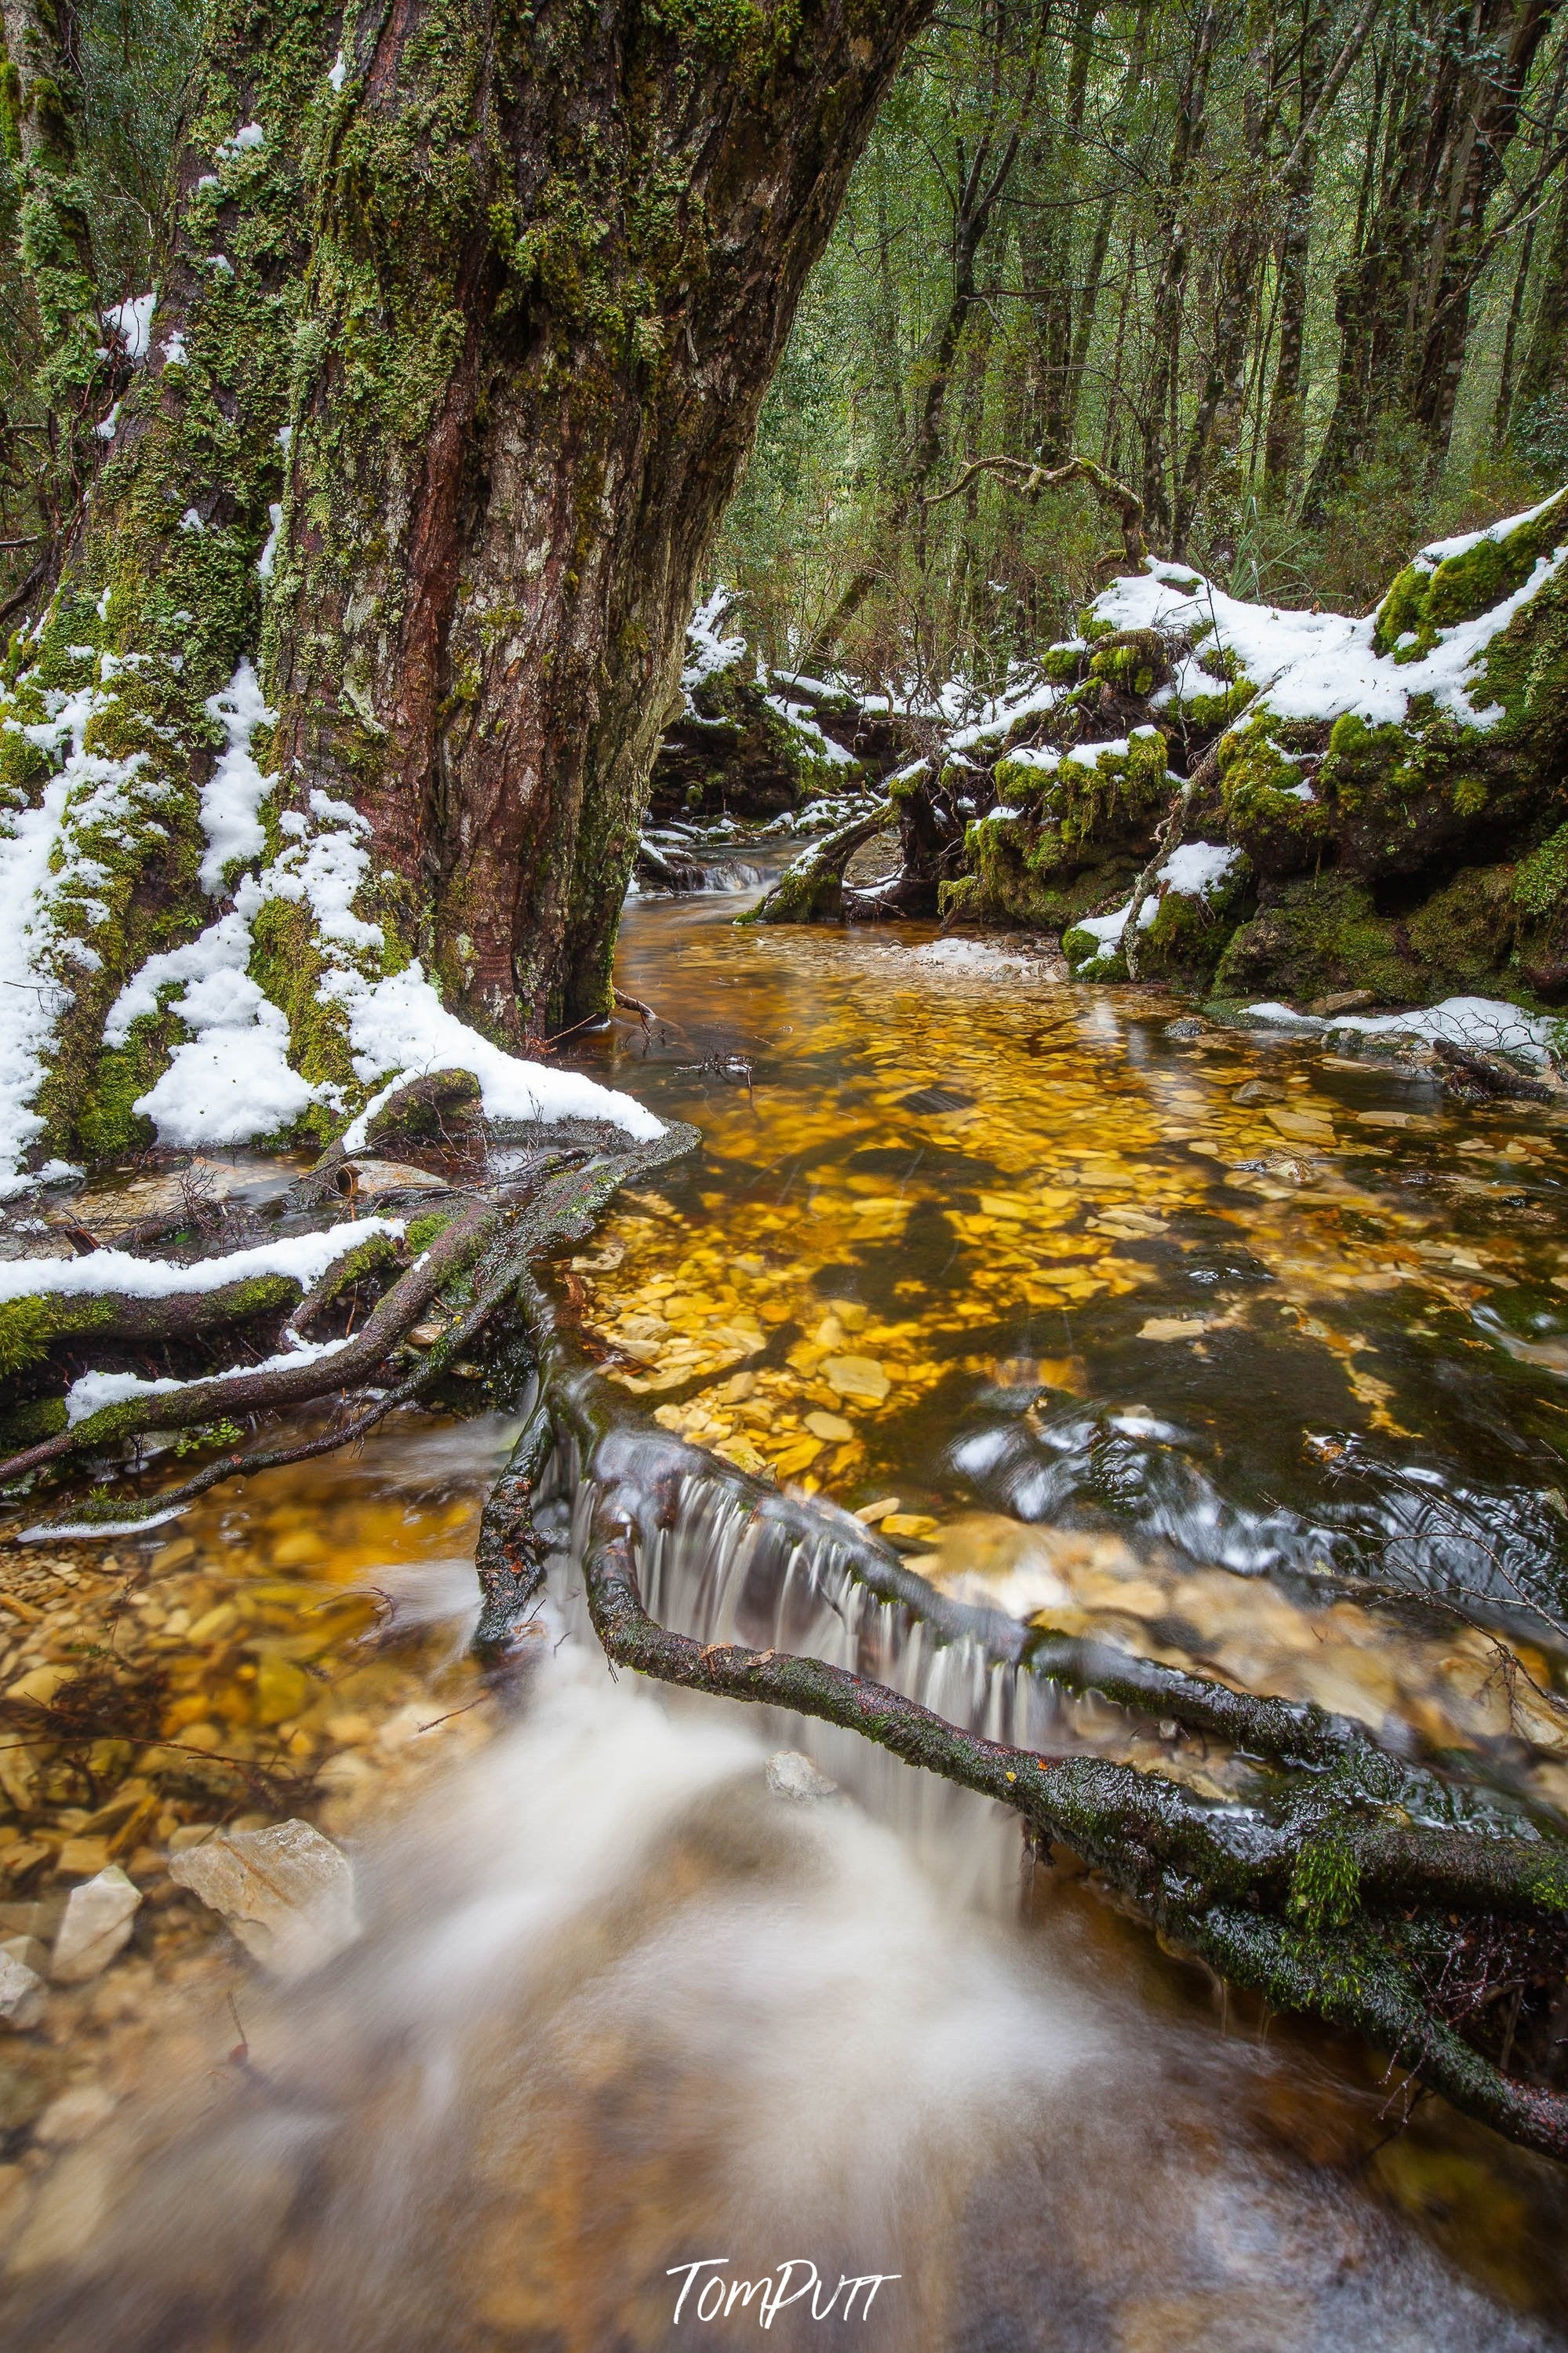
{"x": 1297, "y": 275}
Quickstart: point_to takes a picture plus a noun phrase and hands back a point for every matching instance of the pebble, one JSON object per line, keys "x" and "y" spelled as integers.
{"x": 793, "y": 1777}
{"x": 287, "y": 1892}
{"x": 22, "y": 1993}
{"x": 96, "y": 1923}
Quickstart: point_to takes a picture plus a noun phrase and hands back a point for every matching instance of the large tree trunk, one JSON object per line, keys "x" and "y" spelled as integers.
{"x": 462, "y": 340}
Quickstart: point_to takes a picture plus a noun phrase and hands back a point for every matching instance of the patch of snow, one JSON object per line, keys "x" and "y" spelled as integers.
{"x": 804, "y": 722}
{"x": 41, "y": 891}
{"x": 303, "y": 1256}
{"x": 1284, "y": 1017}
{"x": 1486, "y": 1022}
{"x": 190, "y": 521}
{"x": 1438, "y": 551}
{"x": 233, "y": 794}
{"x": 971, "y": 956}
{"x": 268, "y": 555}
{"x": 706, "y": 650}
{"x": 399, "y": 1027}
{"x": 1198, "y": 869}
{"x": 231, "y": 1081}
{"x": 1322, "y": 666}
{"x": 95, "y": 1390}
{"x": 174, "y": 355}
{"x": 107, "y": 426}
{"x": 131, "y": 321}
{"x": 340, "y": 68}
{"x": 249, "y": 136}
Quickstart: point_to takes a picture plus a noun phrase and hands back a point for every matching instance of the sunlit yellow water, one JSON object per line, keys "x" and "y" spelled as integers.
{"x": 939, "y": 1189}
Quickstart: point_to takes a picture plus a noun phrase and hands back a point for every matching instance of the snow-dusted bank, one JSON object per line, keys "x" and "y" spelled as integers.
{"x": 1270, "y": 806}
{"x": 225, "y": 1062}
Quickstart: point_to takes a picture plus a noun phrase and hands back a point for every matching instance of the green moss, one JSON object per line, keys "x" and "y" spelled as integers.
{"x": 1265, "y": 813}
{"x": 1064, "y": 664}
{"x": 1325, "y": 1883}
{"x": 1540, "y": 882}
{"x": 422, "y": 1231}
{"x": 1134, "y": 662}
{"x": 1318, "y": 934}
{"x": 1426, "y": 599}
{"x": 29, "y": 1424}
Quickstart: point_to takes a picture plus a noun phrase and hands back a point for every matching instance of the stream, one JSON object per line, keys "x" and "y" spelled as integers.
{"x": 1239, "y": 1353}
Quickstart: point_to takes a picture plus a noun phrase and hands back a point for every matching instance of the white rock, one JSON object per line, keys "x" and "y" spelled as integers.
{"x": 793, "y": 1776}
{"x": 96, "y": 1923}
{"x": 287, "y": 1892}
{"x": 22, "y": 1991}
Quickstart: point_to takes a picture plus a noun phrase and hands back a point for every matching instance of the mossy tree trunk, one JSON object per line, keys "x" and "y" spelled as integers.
{"x": 466, "y": 316}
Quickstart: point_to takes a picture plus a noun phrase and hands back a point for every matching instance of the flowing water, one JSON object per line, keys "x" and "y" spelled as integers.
{"x": 1008, "y": 1268}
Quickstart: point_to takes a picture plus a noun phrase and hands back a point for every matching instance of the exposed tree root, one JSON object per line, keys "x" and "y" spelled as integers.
{"x": 1336, "y": 1889}
{"x": 489, "y": 1244}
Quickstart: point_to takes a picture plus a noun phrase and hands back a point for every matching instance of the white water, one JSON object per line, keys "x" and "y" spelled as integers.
{"x": 621, "y": 2008}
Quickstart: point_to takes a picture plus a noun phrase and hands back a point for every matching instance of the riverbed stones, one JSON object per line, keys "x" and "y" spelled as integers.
{"x": 22, "y": 1993}
{"x": 286, "y": 1893}
{"x": 856, "y": 1377}
{"x": 97, "y": 1924}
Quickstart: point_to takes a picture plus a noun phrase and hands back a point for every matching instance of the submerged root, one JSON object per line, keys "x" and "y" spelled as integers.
{"x": 1339, "y": 1889}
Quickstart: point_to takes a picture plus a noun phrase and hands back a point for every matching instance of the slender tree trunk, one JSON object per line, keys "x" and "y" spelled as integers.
{"x": 1503, "y": 404}
{"x": 1105, "y": 216}
{"x": 1486, "y": 113}
{"x": 1284, "y": 440}
{"x": 1217, "y": 421}
{"x": 1161, "y": 400}
{"x": 1046, "y": 242}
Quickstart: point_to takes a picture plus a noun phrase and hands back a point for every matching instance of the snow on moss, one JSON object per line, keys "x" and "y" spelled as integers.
{"x": 57, "y": 833}
{"x": 1198, "y": 870}
{"x": 92, "y": 1391}
{"x": 301, "y": 1258}
{"x": 1326, "y": 666}
{"x": 398, "y": 1026}
{"x": 708, "y": 648}
{"x": 233, "y": 794}
{"x": 231, "y": 1080}
{"x": 131, "y": 321}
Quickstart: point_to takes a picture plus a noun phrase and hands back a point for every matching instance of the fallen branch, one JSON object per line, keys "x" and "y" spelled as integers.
{"x": 1166, "y": 841}
{"x": 811, "y": 888}
{"x": 1028, "y": 479}
{"x": 1492, "y": 1074}
{"x": 416, "y": 1109}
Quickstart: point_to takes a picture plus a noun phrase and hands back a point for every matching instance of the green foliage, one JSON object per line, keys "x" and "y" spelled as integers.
{"x": 208, "y": 1434}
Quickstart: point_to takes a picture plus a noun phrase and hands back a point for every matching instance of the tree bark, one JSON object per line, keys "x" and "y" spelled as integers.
{"x": 485, "y": 302}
